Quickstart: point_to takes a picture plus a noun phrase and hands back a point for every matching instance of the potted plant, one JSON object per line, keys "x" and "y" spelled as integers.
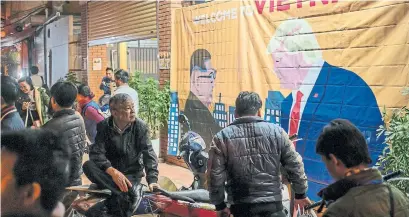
{"x": 153, "y": 102}
{"x": 396, "y": 154}
{"x": 71, "y": 77}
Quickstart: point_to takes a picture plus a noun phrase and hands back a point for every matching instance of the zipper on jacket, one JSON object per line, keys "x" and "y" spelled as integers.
{"x": 123, "y": 150}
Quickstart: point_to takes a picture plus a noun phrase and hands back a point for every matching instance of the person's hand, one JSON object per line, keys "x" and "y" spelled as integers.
{"x": 58, "y": 211}
{"x": 25, "y": 106}
{"x": 153, "y": 186}
{"x": 36, "y": 124}
{"x": 120, "y": 179}
{"x": 224, "y": 213}
{"x": 302, "y": 203}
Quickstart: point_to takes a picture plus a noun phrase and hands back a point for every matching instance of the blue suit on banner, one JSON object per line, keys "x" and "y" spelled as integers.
{"x": 337, "y": 93}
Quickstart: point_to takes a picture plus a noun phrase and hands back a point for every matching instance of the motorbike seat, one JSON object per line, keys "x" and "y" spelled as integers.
{"x": 199, "y": 195}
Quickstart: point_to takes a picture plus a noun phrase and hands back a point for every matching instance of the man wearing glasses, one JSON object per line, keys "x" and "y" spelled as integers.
{"x": 202, "y": 80}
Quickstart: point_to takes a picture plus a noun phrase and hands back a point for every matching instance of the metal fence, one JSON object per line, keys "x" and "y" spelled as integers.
{"x": 144, "y": 60}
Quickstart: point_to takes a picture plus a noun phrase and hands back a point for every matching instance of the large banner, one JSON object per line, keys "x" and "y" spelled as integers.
{"x": 311, "y": 62}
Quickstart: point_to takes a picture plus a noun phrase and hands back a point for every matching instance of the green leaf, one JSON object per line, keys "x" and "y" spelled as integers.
{"x": 396, "y": 156}
{"x": 154, "y": 101}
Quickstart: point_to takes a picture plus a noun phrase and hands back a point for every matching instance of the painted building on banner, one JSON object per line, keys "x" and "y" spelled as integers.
{"x": 173, "y": 125}
{"x": 272, "y": 112}
{"x": 291, "y": 62}
{"x": 219, "y": 113}
{"x": 231, "y": 114}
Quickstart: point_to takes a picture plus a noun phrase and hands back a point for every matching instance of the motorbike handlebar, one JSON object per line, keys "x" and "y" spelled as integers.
{"x": 181, "y": 155}
{"x": 392, "y": 175}
{"x": 316, "y": 204}
{"x": 293, "y": 137}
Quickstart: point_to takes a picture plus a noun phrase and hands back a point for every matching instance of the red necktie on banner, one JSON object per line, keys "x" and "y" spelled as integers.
{"x": 295, "y": 115}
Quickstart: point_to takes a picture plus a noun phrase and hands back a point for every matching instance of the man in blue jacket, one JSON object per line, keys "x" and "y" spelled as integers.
{"x": 106, "y": 82}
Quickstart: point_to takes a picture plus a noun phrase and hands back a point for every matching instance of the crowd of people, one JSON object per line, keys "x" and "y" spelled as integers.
{"x": 32, "y": 116}
{"x": 247, "y": 155}
{"x": 42, "y": 155}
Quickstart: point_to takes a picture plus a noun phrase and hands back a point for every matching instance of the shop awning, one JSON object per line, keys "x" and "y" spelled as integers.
{"x": 17, "y": 37}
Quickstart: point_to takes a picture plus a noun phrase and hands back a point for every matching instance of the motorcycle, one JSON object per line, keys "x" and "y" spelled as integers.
{"x": 186, "y": 201}
{"x": 192, "y": 151}
{"x": 191, "y": 201}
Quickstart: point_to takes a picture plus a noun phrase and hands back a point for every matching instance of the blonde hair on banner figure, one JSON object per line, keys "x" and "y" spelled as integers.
{"x": 296, "y": 35}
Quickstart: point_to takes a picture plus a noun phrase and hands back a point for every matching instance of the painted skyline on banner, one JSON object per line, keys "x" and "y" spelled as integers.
{"x": 272, "y": 114}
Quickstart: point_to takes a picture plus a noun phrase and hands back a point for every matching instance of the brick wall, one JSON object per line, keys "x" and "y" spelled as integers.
{"x": 164, "y": 27}
{"x": 95, "y": 76}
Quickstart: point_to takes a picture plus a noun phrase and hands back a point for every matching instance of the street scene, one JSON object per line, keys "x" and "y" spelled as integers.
{"x": 205, "y": 108}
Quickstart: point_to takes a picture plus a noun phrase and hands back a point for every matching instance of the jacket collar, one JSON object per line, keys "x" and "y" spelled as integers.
{"x": 7, "y": 109}
{"x": 63, "y": 112}
{"x": 341, "y": 187}
{"x": 247, "y": 119}
{"x": 84, "y": 102}
{"x": 113, "y": 127}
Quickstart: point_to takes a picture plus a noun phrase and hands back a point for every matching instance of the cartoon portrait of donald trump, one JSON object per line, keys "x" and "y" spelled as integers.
{"x": 320, "y": 93}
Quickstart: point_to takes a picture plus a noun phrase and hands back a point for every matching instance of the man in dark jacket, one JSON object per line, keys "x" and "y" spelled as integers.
{"x": 121, "y": 151}
{"x": 33, "y": 172}
{"x": 70, "y": 125}
{"x": 248, "y": 154}
{"x": 10, "y": 118}
{"x": 359, "y": 191}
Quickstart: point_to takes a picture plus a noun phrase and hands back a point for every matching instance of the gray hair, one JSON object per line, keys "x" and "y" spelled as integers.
{"x": 119, "y": 99}
{"x": 248, "y": 103}
{"x": 297, "y": 36}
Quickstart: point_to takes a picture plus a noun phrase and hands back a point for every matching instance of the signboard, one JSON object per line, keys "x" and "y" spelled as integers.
{"x": 310, "y": 61}
{"x": 96, "y": 64}
{"x": 164, "y": 60}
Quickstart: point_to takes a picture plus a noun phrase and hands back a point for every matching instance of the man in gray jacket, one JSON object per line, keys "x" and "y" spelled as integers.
{"x": 247, "y": 156}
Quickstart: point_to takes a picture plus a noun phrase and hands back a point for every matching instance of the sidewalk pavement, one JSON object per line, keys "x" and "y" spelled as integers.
{"x": 179, "y": 175}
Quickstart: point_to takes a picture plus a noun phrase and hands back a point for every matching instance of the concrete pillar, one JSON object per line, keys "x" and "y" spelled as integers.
{"x": 123, "y": 55}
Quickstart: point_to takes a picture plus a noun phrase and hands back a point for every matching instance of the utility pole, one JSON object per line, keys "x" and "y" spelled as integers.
{"x": 48, "y": 11}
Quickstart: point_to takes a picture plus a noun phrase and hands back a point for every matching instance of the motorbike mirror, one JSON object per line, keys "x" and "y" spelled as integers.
{"x": 182, "y": 118}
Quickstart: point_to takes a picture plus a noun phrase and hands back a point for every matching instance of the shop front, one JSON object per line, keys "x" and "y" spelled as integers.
{"x": 123, "y": 38}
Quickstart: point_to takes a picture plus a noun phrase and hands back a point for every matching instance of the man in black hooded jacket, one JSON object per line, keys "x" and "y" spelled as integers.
{"x": 70, "y": 125}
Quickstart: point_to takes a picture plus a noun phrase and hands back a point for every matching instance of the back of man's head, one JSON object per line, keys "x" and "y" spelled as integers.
{"x": 64, "y": 93}
{"x": 9, "y": 90}
{"x": 122, "y": 75}
{"x": 42, "y": 158}
{"x": 34, "y": 70}
{"x": 248, "y": 104}
{"x": 342, "y": 139}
